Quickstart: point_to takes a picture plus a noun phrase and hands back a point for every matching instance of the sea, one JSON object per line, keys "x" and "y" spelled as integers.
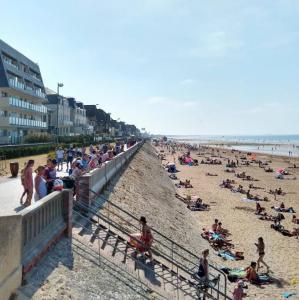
{"x": 287, "y": 145}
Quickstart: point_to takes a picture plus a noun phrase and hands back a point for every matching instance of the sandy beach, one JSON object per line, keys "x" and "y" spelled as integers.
{"x": 146, "y": 189}
{"x": 239, "y": 218}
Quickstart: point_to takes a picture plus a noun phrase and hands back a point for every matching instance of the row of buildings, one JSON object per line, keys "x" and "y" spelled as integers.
{"x": 28, "y": 108}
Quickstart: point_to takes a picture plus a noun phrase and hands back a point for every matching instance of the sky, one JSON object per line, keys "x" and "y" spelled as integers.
{"x": 170, "y": 66}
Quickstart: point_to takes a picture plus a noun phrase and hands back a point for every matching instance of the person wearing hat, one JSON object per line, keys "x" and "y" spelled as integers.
{"x": 238, "y": 292}
{"x": 146, "y": 239}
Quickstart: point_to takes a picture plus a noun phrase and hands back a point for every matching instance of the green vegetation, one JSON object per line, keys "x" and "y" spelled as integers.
{"x": 21, "y": 151}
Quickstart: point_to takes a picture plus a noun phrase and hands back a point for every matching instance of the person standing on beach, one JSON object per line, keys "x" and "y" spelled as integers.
{"x": 28, "y": 181}
{"x": 261, "y": 251}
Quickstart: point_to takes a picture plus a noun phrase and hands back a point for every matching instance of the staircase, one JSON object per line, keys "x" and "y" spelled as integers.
{"x": 107, "y": 229}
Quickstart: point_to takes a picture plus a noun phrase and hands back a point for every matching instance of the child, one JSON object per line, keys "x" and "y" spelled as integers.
{"x": 238, "y": 291}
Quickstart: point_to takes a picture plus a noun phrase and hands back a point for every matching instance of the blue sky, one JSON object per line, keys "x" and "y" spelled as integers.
{"x": 171, "y": 66}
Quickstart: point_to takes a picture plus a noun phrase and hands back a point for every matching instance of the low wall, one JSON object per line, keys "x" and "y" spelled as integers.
{"x": 10, "y": 255}
{"x": 97, "y": 179}
{"x": 43, "y": 223}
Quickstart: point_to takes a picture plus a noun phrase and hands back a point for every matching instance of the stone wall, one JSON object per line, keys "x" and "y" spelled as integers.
{"x": 92, "y": 183}
{"x": 10, "y": 255}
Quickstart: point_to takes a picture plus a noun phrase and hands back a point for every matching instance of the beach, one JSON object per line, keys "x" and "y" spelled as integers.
{"x": 238, "y": 216}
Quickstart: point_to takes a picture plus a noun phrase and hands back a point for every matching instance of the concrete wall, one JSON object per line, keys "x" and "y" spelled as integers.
{"x": 97, "y": 179}
{"x": 43, "y": 223}
{"x": 10, "y": 255}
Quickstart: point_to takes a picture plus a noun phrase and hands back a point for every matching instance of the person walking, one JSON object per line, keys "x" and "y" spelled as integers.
{"x": 59, "y": 158}
{"x": 28, "y": 181}
{"x": 40, "y": 184}
{"x": 260, "y": 245}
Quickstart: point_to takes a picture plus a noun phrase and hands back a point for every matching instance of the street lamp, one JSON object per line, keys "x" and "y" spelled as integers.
{"x": 59, "y": 85}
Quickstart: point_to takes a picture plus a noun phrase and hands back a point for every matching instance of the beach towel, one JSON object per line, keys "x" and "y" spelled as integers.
{"x": 226, "y": 255}
{"x": 248, "y": 200}
{"x": 288, "y": 295}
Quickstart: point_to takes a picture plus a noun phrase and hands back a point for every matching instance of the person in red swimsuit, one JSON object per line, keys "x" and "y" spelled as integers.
{"x": 146, "y": 239}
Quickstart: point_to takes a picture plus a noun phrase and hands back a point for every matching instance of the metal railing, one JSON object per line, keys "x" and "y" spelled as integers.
{"x": 174, "y": 254}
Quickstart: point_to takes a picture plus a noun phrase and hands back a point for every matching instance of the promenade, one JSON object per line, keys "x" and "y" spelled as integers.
{"x": 11, "y": 190}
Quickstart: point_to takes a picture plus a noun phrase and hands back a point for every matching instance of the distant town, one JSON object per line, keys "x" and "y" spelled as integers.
{"x": 31, "y": 112}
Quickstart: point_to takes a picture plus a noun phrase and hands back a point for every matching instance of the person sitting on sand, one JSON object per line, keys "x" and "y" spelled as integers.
{"x": 251, "y": 274}
{"x": 248, "y": 195}
{"x": 238, "y": 292}
{"x": 215, "y": 225}
{"x": 279, "y": 191}
{"x": 259, "y": 209}
{"x": 220, "y": 229}
{"x": 295, "y": 219}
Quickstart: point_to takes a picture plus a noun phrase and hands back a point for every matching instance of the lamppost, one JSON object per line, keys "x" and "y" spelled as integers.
{"x": 59, "y": 85}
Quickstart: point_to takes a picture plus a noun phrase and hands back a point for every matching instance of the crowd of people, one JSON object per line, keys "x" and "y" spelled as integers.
{"x": 77, "y": 161}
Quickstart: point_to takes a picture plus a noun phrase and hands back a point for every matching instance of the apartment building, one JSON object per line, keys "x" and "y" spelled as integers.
{"x": 22, "y": 97}
{"x": 60, "y": 125}
{"x": 78, "y": 117}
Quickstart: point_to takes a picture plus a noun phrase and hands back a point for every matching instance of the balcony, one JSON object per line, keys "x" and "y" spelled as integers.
{"x": 16, "y": 102}
{"x": 10, "y": 63}
{"x": 26, "y": 122}
{"x": 22, "y": 86}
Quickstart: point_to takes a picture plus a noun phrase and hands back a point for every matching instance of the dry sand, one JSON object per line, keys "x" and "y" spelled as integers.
{"x": 145, "y": 189}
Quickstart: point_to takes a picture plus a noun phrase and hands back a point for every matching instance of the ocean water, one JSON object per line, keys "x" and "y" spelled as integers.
{"x": 287, "y": 145}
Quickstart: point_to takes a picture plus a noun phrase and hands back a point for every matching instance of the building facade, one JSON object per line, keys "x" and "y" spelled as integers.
{"x": 78, "y": 117}
{"x": 62, "y": 124}
{"x": 22, "y": 97}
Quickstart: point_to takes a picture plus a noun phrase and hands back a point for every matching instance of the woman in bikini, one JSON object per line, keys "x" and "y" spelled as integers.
{"x": 261, "y": 251}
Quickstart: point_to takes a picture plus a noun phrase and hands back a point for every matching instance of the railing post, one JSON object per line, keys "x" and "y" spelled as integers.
{"x": 67, "y": 199}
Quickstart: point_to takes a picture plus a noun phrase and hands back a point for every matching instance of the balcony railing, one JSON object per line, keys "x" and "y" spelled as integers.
{"x": 20, "y": 85}
{"x": 9, "y": 62}
{"x": 14, "y": 101}
{"x": 17, "y": 84}
{"x": 27, "y": 122}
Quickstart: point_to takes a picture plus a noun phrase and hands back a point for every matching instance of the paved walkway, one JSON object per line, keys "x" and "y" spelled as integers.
{"x": 11, "y": 191}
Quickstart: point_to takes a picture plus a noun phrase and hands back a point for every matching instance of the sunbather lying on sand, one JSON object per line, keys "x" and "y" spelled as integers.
{"x": 198, "y": 205}
{"x": 186, "y": 184}
{"x": 282, "y": 208}
{"x": 211, "y": 174}
{"x": 251, "y": 186}
{"x": 230, "y": 171}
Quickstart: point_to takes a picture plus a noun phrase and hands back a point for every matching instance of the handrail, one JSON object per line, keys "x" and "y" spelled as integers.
{"x": 121, "y": 229}
{"x": 154, "y": 230}
{"x": 159, "y": 242}
{"x": 166, "y": 257}
{"x": 168, "y": 260}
